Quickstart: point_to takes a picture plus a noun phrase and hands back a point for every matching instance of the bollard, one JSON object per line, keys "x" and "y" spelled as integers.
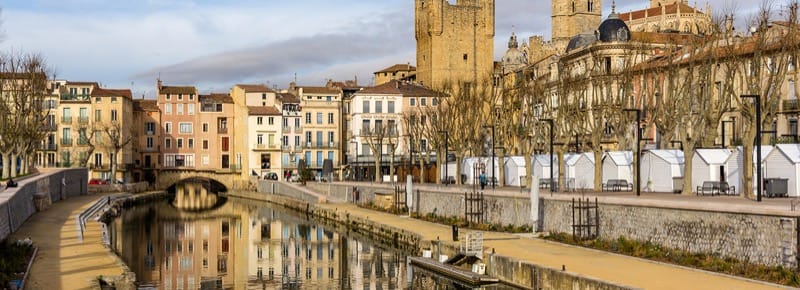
{"x": 455, "y": 233}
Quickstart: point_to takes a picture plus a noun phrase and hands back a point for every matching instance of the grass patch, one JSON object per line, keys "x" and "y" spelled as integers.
{"x": 14, "y": 258}
{"x": 709, "y": 262}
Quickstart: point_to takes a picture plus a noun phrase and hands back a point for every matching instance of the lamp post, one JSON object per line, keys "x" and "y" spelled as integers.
{"x": 638, "y": 156}
{"x": 550, "y": 122}
{"x": 493, "y": 156}
{"x": 356, "y": 162}
{"x": 446, "y": 136}
{"x": 723, "y": 131}
{"x": 758, "y": 142}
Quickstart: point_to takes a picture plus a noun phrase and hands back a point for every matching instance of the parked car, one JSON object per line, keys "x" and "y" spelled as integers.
{"x": 97, "y": 181}
{"x": 271, "y": 176}
{"x": 118, "y": 181}
{"x": 294, "y": 178}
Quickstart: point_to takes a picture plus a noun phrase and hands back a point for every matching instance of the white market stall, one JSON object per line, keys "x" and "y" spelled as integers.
{"x": 581, "y": 169}
{"x": 450, "y": 171}
{"x": 708, "y": 165}
{"x": 469, "y": 165}
{"x": 734, "y": 165}
{"x": 515, "y": 171}
{"x": 618, "y": 165}
{"x": 659, "y": 170}
{"x": 784, "y": 162}
{"x": 541, "y": 166}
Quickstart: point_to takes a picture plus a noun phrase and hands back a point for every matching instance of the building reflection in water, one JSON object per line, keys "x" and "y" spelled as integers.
{"x": 245, "y": 245}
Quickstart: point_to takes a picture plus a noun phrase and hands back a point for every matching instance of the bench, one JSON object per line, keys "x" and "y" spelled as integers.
{"x": 449, "y": 180}
{"x": 544, "y": 183}
{"x": 708, "y": 187}
{"x": 617, "y": 185}
{"x": 726, "y": 189}
{"x": 492, "y": 181}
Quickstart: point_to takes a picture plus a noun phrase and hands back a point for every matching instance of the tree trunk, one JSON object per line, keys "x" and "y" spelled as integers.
{"x": 688, "y": 154}
{"x": 458, "y": 169}
{"x": 14, "y": 169}
{"x": 561, "y": 170}
{"x": 378, "y": 169}
{"x": 439, "y": 167}
{"x": 6, "y": 165}
{"x": 598, "y": 169}
{"x": 528, "y": 169}
{"x": 501, "y": 180}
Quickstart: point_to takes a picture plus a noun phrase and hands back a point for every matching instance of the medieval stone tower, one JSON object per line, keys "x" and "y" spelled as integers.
{"x": 572, "y": 17}
{"x": 455, "y": 42}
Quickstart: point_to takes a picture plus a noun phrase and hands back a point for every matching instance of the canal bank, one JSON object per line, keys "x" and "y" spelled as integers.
{"x": 526, "y": 261}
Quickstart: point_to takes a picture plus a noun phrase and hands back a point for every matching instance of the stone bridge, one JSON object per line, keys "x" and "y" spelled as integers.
{"x": 231, "y": 180}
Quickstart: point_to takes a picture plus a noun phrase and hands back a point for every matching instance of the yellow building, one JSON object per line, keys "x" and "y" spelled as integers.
{"x": 396, "y": 72}
{"x": 147, "y": 147}
{"x": 321, "y": 109}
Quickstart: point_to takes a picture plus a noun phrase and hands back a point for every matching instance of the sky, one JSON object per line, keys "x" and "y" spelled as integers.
{"x": 215, "y": 44}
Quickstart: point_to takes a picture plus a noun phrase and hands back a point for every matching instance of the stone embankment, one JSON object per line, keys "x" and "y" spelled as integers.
{"x": 728, "y": 227}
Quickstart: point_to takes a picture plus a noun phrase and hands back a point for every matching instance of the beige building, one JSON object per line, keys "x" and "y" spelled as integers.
{"x": 406, "y": 72}
{"x": 291, "y": 133}
{"x": 455, "y": 42}
{"x": 260, "y": 140}
{"x": 94, "y": 129}
{"x": 670, "y": 16}
{"x": 321, "y": 109}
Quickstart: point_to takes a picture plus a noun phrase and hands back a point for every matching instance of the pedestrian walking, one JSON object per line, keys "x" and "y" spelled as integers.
{"x": 483, "y": 179}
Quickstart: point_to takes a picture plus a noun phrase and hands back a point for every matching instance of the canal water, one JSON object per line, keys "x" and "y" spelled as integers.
{"x": 199, "y": 241}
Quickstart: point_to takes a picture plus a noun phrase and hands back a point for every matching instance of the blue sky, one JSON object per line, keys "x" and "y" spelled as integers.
{"x": 215, "y": 44}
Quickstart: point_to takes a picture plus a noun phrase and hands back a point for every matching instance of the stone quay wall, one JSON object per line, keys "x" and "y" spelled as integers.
{"x": 763, "y": 237}
{"x": 766, "y": 239}
{"x": 17, "y": 204}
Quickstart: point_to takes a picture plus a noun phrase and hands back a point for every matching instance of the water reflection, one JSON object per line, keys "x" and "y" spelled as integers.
{"x": 245, "y": 245}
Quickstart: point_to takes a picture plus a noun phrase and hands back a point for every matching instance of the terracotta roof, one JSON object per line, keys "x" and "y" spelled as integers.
{"x": 663, "y": 38}
{"x": 263, "y": 111}
{"x": 216, "y": 97}
{"x": 177, "y": 90}
{"x": 101, "y": 92}
{"x": 397, "y": 68}
{"x": 145, "y": 105}
{"x": 320, "y": 90}
{"x": 94, "y": 84}
{"x": 656, "y": 11}
{"x": 288, "y": 98}
{"x": 254, "y": 88}
{"x": 395, "y": 87}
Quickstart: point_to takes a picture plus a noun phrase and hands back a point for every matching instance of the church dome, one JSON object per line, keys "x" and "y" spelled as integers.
{"x": 614, "y": 29}
{"x": 581, "y": 40}
{"x": 514, "y": 58}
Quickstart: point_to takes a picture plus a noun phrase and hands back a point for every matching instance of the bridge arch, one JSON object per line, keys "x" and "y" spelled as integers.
{"x": 227, "y": 180}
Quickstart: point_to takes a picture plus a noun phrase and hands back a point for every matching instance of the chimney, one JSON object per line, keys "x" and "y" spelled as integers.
{"x": 159, "y": 85}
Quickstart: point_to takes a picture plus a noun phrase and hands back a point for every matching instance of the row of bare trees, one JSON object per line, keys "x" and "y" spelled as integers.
{"x": 23, "y": 90}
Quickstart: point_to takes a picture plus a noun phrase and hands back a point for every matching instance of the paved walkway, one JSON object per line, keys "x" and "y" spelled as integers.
{"x": 597, "y": 264}
{"x": 63, "y": 262}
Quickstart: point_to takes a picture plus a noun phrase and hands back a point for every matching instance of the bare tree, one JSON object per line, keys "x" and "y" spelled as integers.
{"x": 118, "y": 138}
{"x": 23, "y": 89}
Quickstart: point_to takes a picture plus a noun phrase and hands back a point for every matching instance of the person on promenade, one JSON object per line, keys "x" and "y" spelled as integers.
{"x": 483, "y": 179}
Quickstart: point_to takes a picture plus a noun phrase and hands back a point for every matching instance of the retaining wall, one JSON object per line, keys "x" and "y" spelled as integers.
{"x": 17, "y": 205}
{"x": 763, "y": 238}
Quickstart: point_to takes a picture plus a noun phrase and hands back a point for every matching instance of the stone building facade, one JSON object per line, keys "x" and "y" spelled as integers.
{"x": 455, "y": 42}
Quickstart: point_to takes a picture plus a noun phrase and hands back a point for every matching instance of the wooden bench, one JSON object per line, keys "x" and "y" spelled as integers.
{"x": 708, "y": 187}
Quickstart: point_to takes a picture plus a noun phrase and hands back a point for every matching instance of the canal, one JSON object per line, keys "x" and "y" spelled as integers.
{"x": 196, "y": 240}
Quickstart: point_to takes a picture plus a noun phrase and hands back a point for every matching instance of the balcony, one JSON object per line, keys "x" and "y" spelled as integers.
{"x": 83, "y": 120}
{"x": 66, "y": 142}
{"x": 50, "y": 127}
{"x": 287, "y": 130}
{"x": 286, "y": 148}
{"x": 66, "y": 119}
{"x": 83, "y": 141}
{"x": 75, "y": 98}
{"x": 150, "y": 133}
{"x": 791, "y": 106}
{"x": 48, "y": 147}
{"x": 265, "y": 146}
{"x": 149, "y": 149}
{"x": 222, "y": 130}
{"x": 100, "y": 167}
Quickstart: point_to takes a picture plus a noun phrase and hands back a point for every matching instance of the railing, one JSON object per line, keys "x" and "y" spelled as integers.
{"x": 83, "y": 141}
{"x": 260, "y": 146}
{"x": 48, "y": 147}
{"x": 150, "y": 133}
{"x": 50, "y": 127}
{"x": 75, "y": 97}
{"x": 287, "y": 129}
{"x": 791, "y": 105}
{"x": 100, "y": 166}
{"x": 83, "y": 120}
{"x": 286, "y": 148}
{"x": 66, "y": 142}
{"x": 150, "y": 149}
{"x": 222, "y": 130}
{"x": 785, "y": 139}
{"x": 66, "y": 119}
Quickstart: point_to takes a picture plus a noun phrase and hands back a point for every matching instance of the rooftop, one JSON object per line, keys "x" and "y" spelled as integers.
{"x": 263, "y": 111}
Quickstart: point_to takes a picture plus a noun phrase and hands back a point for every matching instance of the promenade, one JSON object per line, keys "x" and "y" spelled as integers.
{"x": 601, "y": 265}
{"x": 63, "y": 262}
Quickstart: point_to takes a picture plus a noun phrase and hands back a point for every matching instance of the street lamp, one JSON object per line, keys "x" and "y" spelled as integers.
{"x": 493, "y": 156}
{"x": 552, "y": 188}
{"x": 758, "y": 142}
{"x": 356, "y": 168}
{"x": 723, "y": 131}
{"x": 638, "y": 156}
{"x": 446, "y": 177}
